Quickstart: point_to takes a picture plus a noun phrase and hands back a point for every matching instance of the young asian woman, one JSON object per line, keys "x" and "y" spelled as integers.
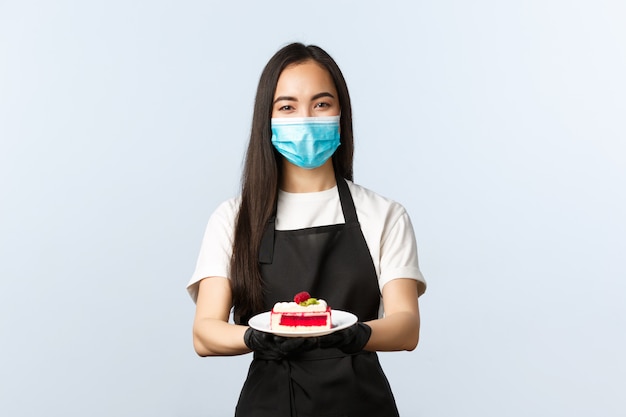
{"x": 302, "y": 224}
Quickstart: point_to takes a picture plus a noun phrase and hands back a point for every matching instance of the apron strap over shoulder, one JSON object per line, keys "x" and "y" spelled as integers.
{"x": 266, "y": 249}
{"x": 347, "y": 204}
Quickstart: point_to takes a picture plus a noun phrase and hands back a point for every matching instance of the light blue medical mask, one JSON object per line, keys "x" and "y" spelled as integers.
{"x": 307, "y": 142}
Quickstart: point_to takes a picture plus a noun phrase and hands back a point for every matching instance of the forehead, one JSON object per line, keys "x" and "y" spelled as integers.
{"x": 304, "y": 77}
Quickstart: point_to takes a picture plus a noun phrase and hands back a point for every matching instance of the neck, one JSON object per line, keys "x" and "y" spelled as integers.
{"x": 300, "y": 180}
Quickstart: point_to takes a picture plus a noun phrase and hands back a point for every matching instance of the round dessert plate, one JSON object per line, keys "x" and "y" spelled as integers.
{"x": 340, "y": 320}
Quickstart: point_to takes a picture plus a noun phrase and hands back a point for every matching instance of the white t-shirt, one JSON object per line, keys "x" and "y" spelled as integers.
{"x": 385, "y": 224}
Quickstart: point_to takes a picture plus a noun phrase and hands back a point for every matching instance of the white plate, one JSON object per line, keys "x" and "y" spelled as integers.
{"x": 340, "y": 320}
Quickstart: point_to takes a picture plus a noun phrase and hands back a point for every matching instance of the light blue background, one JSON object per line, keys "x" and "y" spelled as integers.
{"x": 499, "y": 125}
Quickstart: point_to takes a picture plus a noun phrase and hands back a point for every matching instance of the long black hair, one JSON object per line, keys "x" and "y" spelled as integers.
{"x": 262, "y": 173}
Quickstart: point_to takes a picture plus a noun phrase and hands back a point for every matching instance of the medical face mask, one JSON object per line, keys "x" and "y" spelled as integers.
{"x": 307, "y": 142}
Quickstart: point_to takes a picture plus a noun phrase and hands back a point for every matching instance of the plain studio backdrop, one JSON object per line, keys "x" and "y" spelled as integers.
{"x": 499, "y": 125}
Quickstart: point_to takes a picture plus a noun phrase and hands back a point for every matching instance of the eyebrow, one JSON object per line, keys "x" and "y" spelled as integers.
{"x": 315, "y": 97}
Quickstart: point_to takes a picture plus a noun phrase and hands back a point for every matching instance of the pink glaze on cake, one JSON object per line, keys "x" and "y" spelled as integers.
{"x": 304, "y": 320}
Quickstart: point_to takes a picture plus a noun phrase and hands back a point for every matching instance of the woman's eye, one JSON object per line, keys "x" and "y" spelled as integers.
{"x": 322, "y": 105}
{"x": 286, "y": 107}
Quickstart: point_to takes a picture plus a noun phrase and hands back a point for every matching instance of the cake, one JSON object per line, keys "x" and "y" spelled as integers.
{"x": 304, "y": 313}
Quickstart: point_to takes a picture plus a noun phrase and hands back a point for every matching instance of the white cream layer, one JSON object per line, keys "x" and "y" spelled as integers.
{"x": 293, "y": 307}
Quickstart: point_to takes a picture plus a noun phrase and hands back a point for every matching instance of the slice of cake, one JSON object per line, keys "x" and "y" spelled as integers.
{"x": 302, "y": 314}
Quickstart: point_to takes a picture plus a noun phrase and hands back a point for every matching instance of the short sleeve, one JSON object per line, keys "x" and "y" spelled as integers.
{"x": 217, "y": 246}
{"x": 398, "y": 253}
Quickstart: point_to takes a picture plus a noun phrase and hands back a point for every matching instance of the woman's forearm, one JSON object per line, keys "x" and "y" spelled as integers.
{"x": 398, "y": 331}
{"x": 400, "y": 327}
{"x": 214, "y": 337}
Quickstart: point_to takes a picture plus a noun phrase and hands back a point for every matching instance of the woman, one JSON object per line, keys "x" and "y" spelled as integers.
{"x": 301, "y": 224}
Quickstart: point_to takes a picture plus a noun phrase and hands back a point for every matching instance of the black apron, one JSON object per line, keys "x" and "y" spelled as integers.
{"x": 333, "y": 263}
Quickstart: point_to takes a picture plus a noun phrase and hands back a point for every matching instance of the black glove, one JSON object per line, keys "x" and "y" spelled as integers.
{"x": 350, "y": 340}
{"x": 273, "y": 347}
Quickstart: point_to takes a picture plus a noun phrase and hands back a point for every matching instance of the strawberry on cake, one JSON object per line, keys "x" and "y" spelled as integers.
{"x": 304, "y": 313}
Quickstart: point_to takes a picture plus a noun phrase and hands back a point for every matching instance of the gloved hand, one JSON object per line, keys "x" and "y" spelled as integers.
{"x": 350, "y": 340}
{"x": 275, "y": 347}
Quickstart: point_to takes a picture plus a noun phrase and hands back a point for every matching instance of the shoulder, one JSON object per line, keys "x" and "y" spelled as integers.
{"x": 222, "y": 219}
{"x": 228, "y": 209}
{"x": 370, "y": 202}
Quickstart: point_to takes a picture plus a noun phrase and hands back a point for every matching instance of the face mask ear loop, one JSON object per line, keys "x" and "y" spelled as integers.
{"x": 340, "y": 141}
